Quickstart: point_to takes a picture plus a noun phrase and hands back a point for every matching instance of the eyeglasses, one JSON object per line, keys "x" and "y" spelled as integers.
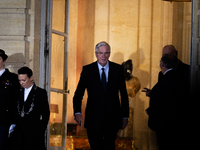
{"x": 101, "y": 53}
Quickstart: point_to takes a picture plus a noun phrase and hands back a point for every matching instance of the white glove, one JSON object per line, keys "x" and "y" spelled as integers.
{"x": 11, "y": 129}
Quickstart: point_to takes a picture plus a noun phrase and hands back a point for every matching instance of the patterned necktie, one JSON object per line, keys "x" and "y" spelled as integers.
{"x": 103, "y": 79}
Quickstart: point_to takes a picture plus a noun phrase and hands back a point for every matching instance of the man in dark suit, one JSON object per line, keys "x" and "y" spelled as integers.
{"x": 8, "y": 86}
{"x": 105, "y": 112}
{"x": 164, "y": 111}
{"x": 182, "y": 69}
{"x": 32, "y": 114}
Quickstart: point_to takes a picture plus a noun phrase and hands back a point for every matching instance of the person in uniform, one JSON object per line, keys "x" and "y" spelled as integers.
{"x": 32, "y": 114}
{"x": 8, "y": 86}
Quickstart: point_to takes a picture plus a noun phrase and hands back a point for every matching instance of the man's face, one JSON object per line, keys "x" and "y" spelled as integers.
{"x": 103, "y": 55}
{"x": 2, "y": 63}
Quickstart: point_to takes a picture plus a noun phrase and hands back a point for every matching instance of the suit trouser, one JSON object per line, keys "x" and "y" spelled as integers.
{"x": 102, "y": 139}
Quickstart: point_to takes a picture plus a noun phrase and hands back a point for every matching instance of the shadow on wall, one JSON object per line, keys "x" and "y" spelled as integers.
{"x": 140, "y": 127}
{"x": 140, "y": 102}
{"x": 15, "y": 61}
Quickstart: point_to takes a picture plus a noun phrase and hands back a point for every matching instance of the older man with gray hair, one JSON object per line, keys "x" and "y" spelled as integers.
{"x": 105, "y": 113}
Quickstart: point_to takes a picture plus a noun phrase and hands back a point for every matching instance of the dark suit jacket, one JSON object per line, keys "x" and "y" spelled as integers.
{"x": 183, "y": 71}
{"x": 30, "y": 129}
{"x": 165, "y": 98}
{"x": 102, "y": 108}
{"x": 183, "y": 77}
{"x": 9, "y": 85}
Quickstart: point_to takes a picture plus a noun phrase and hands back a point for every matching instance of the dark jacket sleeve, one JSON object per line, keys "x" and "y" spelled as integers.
{"x": 44, "y": 109}
{"x": 79, "y": 93}
{"x": 15, "y": 92}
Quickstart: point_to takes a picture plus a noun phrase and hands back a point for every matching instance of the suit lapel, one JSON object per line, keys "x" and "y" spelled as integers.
{"x": 96, "y": 72}
{"x": 111, "y": 75}
{"x": 21, "y": 97}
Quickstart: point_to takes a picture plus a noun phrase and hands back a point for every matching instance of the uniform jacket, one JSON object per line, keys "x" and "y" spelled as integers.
{"x": 9, "y": 85}
{"x": 30, "y": 127}
{"x": 102, "y": 107}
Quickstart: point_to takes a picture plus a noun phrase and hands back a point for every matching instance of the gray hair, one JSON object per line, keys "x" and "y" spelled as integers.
{"x": 103, "y": 43}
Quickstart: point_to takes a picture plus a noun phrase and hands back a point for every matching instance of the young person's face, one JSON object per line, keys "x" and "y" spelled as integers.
{"x": 25, "y": 81}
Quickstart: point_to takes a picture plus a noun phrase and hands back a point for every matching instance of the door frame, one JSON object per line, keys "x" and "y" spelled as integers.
{"x": 46, "y": 32}
{"x": 195, "y": 50}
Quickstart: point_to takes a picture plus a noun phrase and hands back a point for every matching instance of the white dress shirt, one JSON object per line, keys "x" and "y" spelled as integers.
{"x": 26, "y": 92}
{"x": 168, "y": 71}
{"x": 2, "y": 71}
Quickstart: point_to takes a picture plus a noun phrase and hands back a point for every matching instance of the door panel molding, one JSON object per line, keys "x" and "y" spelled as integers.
{"x": 195, "y": 50}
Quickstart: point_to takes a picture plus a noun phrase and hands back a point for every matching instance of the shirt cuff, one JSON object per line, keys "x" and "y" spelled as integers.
{"x": 77, "y": 113}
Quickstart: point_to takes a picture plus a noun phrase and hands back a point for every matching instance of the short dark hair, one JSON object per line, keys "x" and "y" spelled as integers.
{"x": 25, "y": 70}
{"x": 169, "y": 60}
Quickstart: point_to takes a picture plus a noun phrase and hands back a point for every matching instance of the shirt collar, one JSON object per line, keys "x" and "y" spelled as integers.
{"x": 105, "y": 67}
{"x": 2, "y": 71}
{"x": 168, "y": 71}
{"x": 29, "y": 89}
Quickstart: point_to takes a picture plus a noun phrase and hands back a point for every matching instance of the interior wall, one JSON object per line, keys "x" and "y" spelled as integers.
{"x": 72, "y": 55}
{"x": 181, "y": 37}
{"x": 136, "y": 30}
{"x": 20, "y": 34}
